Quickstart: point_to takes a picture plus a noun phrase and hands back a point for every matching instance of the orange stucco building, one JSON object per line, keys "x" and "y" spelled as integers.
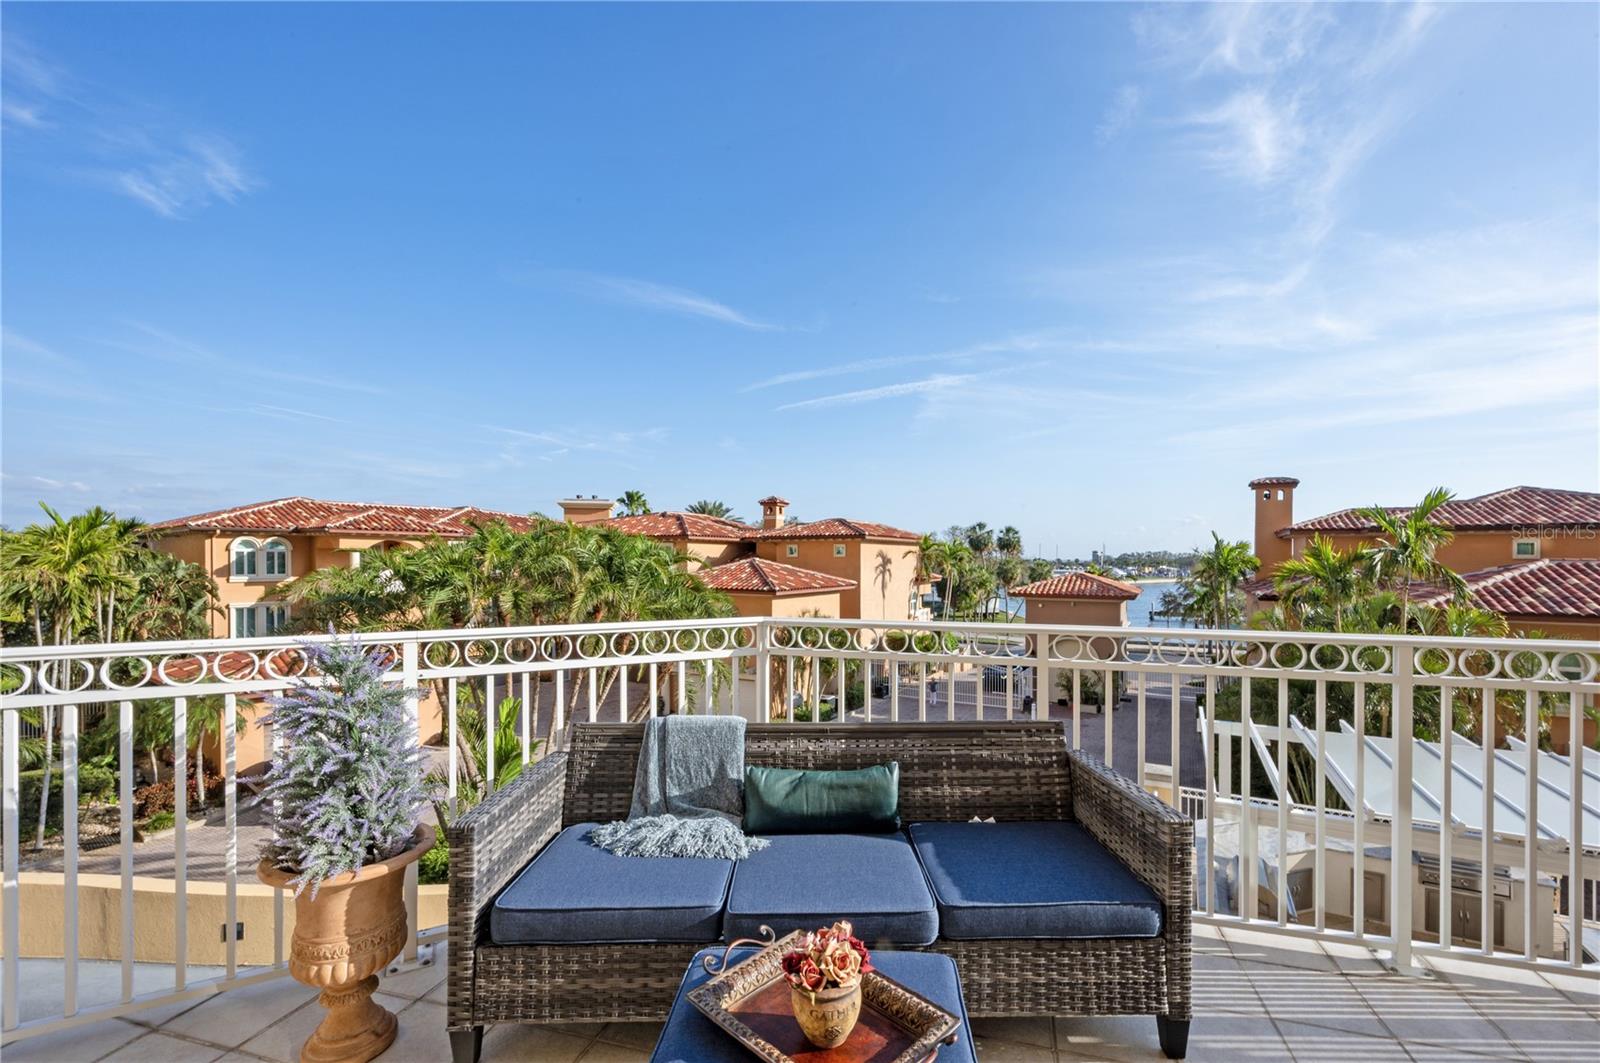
{"x": 759, "y": 587}
{"x": 1531, "y": 554}
{"x": 250, "y": 551}
{"x": 871, "y": 568}
{"x": 1081, "y": 598}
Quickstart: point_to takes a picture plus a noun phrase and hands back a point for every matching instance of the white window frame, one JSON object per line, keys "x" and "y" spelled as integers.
{"x": 264, "y": 618}
{"x": 1518, "y": 555}
{"x": 839, "y": 550}
{"x": 791, "y": 550}
{"x": 249, "y": 551}
{"x": 256, "y": 551}
{"x": 276, "y": 546}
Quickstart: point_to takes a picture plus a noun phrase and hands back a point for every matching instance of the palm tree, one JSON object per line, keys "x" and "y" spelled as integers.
{"x": 172, "y": 599}
{"x": 1377, "y": 613}
{"x": 944, "y": 556}
{"x": 1460, "y": 620}
{"x": 1213, "y": 583}
{"x": 552, "y": 573}
{"x": 711, "y": 508}
{"x": 633, "y": 504}
{"x": 980, "y": 539}
{"x": 1323, "y": 578}
{"x": 204, "y": 718}
{"x": 1009, "y": 541}
{"x": 1038, "y": 569}
{"x": 1408, "y": 550}
{"x": 65, "y": 577}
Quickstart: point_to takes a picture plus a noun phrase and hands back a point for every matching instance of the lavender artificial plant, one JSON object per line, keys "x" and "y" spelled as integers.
{"x": 347, "y": 787}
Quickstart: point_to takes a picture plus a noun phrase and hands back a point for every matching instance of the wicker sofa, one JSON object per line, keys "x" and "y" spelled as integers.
{"x": 1019, "y": 773}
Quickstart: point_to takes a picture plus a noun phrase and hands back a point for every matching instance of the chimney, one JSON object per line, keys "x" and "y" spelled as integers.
{"x": 772, "y": 510}
{"x": 591, "y": 510}
{"x": 1274, "y": 497}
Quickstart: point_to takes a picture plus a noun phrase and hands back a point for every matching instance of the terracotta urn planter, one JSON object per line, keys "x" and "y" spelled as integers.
{"x": 826, "y": 1016}
{"x": 342, "y": 939}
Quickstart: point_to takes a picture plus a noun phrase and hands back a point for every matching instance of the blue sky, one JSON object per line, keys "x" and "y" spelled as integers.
{"x": 1084, "y": 269}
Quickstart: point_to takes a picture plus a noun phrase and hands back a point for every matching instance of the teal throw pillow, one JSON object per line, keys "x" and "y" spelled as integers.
{"x": 794, "y": 801}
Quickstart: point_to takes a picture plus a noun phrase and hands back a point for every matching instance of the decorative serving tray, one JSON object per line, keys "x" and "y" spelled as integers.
{"x": 751, "y": 1002}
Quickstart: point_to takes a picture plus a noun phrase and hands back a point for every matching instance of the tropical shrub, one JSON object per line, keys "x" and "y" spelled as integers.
{"x": 802, "y": 713}
{"x": 156, "y": 797}
{"x": 96, "y": 782}
{"x": 855, "y": 696}
{"x": 434, "y": 867}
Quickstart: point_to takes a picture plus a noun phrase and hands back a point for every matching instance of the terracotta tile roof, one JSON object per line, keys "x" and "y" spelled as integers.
{"x": 1514, "y": 507}
{"x": 674, "y": 525}
{"x": 314, "y": 516}
{"x": 773, "y": 500}
{"x": 1078, "y": 585}
{"x": 1555, "y": 587}
{"x": 752, "y": 575}
{"x": 1275, "y": 481}
{"x": 1263, "y": 589}
{"x": 837, "y": 528}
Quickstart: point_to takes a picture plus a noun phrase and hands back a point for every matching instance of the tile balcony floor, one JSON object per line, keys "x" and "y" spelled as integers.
{"x": 1257, "y": 997}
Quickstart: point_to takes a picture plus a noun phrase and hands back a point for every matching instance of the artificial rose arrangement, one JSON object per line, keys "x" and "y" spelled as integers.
{"x": 830, "y": 958}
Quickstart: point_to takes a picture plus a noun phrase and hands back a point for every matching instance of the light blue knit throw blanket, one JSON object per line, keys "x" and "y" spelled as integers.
{"x": 688, "y": 793}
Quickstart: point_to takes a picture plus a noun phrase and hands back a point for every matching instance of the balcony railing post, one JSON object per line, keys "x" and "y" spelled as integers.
{"x": 1400, "y": 871}
{"x": 13, "y": 935}
{"x": 411, "y": 681}
{"x": 1041, "y": 678}
{"x": 764, "y": 669}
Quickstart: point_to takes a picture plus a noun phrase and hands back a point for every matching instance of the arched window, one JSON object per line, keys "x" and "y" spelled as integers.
{"x": 277, "y": 558}
{"x": 245, "y": 563}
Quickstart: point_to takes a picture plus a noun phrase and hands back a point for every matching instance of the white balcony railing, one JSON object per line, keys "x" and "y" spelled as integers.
{"x": 1308, "y": 845}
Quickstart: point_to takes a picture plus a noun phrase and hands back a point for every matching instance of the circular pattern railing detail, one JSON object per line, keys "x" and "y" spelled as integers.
{"x": 109, "y": 673}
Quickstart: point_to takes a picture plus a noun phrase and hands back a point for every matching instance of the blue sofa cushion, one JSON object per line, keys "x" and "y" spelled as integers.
{"x": 574, "y": 892}
{"x": 1031, "y": 880}
{"x": 803, "y": 881}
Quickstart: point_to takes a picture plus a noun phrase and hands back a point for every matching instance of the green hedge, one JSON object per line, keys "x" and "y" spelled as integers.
{"x": 95, "y": 782}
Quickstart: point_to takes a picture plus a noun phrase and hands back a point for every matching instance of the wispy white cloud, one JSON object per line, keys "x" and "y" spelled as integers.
{"x": 939, "y": 382}
{"x": 29, "y": 73}
{"x": 650, "y": 295}
{"x": 1119, "y": 114}
{"x": 1294, "y": 97}
{"x": 186, "y": 178}
{"x": 14, "y": 344}
{"x": 564, "y": 441}
{"x": 44, "y": 481}
{"x": 1498, "y": 321}
{"x": 150, "y": 155}
{"x": 289, "y": 413}
{"x": 27, "y": 116}
{"x": 1252, "y": 134}
{"x": 166, "y": 346}
{"x": 1253, "y": 39}
{"x": 1019, "y": 343}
